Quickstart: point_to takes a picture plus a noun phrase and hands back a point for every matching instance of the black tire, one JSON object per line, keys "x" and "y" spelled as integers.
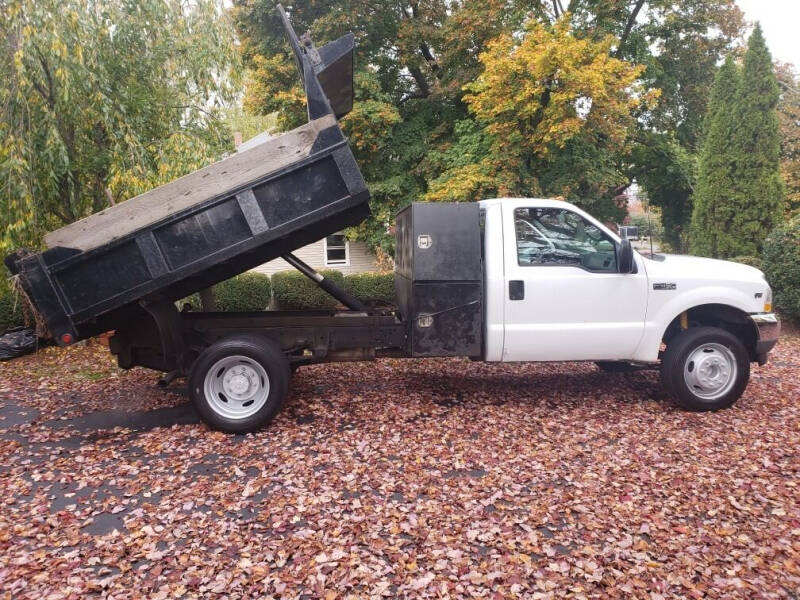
{"x": 616, "y": 366}
{"x": 246, "y": 352}
{"x": 699, "y": 342}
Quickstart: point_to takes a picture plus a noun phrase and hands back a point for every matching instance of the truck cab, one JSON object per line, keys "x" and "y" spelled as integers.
{"x": 559, "y": 288}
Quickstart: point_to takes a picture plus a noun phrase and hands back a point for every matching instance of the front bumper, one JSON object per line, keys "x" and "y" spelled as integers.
{"x": 768, "y": 329}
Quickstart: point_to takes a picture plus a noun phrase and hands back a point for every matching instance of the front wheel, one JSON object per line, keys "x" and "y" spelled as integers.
{"x": 705, "y": 368}
{"x": 239, "y": 384}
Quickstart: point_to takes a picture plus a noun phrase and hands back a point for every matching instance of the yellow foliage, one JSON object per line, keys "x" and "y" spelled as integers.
{"x": 119, "y": 95}
{"x": 271, "y": 85}
{"x": 537, "y": 93}
{"x": 369, "y": 124}
{"x": 179, "y": 154}
{"x": 468, "y": 181}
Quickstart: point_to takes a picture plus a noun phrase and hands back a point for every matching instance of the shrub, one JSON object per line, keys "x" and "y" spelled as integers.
{"x": 752, "y": 261}
{"x": 782, "y": 267}
{"x": 10, "y": 308}
{"x": 243, "y": 293}
{"x": 295, "y": 291}
{"x": 373, "y": 289}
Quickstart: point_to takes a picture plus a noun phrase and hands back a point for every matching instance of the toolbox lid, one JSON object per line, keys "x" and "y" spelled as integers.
{"x": 439, "y": 241}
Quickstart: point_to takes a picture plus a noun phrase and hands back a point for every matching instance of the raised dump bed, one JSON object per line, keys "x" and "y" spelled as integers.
{"x": 210, "y": 225}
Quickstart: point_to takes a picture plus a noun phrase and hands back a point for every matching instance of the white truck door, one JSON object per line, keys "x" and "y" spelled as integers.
{"x": 564, "y": 298}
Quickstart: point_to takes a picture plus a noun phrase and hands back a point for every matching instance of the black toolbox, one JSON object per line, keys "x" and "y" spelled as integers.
{"x": 439, "y": 279}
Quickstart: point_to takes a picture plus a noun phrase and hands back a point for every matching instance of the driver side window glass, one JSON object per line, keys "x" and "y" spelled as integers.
{"x": 557, "y": 236}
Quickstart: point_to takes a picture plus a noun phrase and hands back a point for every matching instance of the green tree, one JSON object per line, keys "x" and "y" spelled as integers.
{"x": 666, "y": 170}
{"x": 789, "y": 118}
{"x": 760, "y": 198}
{"x": 412, "y": 59}
{"x": 740, "y": 191}
{"x": 681, "y": 43}
{"x": 411, "y": 127}
{"x": 103, "y": 99}
{"x": 717, "y": 178}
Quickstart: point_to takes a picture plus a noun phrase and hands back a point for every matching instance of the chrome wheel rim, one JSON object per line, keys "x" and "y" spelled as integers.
{"x": 710, "y": 371}
{"x": 236, "y": 387}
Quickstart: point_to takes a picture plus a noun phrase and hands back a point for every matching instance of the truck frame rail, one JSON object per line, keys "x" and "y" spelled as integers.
{"x": 305, "y": 337}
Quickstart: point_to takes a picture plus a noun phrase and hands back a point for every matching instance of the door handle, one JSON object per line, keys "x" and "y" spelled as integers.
{"x": 516, "y": 289}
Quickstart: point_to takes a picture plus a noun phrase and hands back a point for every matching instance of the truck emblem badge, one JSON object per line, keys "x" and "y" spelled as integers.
{"x": 424, "y": 241}
{"x": 665, "y": 286}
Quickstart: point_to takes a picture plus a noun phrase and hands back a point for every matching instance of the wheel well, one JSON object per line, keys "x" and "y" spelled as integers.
{"x": 723, "y": 316}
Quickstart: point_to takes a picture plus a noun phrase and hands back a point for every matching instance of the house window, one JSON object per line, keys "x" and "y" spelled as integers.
{"x": 337, "y": 250}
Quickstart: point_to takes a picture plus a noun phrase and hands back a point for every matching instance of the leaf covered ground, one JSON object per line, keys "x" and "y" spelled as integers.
{"x": 398, "y": 479}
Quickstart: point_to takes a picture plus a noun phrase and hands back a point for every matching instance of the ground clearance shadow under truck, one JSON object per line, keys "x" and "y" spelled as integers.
{"x": 502, "y": 280}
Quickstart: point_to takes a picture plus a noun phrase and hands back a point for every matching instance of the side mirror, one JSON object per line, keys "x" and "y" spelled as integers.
{"x": 625, "y": 260}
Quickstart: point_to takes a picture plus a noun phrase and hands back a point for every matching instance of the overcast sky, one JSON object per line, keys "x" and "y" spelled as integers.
{"x": 780, "y": 20}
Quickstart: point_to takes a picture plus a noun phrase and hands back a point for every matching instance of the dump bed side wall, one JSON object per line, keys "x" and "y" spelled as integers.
{"x": 210, "y": 182}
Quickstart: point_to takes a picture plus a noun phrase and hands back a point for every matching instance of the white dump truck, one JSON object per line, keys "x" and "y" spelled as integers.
{"x": 502, "y": 280}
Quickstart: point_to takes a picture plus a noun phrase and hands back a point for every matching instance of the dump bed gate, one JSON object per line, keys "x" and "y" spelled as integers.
{"x": 212, "y": 224}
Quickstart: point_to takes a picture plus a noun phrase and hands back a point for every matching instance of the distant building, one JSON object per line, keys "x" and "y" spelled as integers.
{"x": 333, "y": 252}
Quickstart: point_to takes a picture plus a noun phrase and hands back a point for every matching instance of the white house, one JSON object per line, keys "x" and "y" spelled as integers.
{"x": 334, "y": 252}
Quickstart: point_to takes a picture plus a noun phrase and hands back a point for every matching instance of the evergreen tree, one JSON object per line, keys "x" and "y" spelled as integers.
{"x": 759, "y": 201}
{"x": 716, "y": 178}
{"x": 739, "y": 194}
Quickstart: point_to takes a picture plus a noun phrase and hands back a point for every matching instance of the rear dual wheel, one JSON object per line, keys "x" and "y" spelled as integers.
{"x": 239, "y": 384}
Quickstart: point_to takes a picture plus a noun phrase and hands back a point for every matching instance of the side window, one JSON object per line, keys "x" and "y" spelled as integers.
{"x": 337, "y": 250}
{"x": 557, "y": 236}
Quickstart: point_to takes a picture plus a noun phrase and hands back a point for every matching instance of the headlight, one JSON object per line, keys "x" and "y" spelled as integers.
{"x": 768, "y": 300}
